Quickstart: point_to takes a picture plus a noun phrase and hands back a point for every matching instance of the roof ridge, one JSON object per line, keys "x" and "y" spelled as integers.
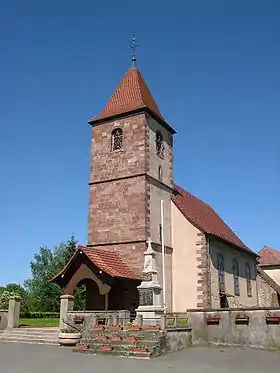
{"x": 205, "y": 218}
{"x": 194, "y": 196}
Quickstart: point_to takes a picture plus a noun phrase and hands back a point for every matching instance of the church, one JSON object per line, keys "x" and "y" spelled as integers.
{"x": 131, "y": 177}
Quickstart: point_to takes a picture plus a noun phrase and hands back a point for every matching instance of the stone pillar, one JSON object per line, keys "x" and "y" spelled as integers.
{"x": 150, "y": 300}
{"x": 66, "y": 304}
{"x": 13, "y": 312}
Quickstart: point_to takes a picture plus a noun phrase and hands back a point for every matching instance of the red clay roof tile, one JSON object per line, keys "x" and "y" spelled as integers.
{"x": 269, "y": 256}
{"x": 131, "y": 94}
{"x": 110, "y": 262}
{"x": 203, "y": 216}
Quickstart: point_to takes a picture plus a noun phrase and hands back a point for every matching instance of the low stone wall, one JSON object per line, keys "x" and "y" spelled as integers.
{"x": 227, "y": 330}
{"x": 92, "y": 318}
{"x": 178, "y": 339}
{"x": 3, "y": 319}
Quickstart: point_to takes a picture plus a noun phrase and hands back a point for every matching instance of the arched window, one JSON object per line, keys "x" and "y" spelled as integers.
{"x": 235, "y": 271}
{"x": 159, "y": 144}
{"x": 116, "y": 139}
{"x": 221, "y": 272}
{"x": 248, "y": 279}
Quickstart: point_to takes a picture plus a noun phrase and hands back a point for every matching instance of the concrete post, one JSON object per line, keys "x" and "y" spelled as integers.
{"x": 66, "y": 304}
{"x": 13, "y": 312}
{"x": 139, "y": 320}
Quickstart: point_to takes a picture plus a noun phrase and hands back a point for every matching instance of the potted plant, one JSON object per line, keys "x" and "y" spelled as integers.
{"x": 78, "y": 319}
{"x": 131, "y": 339}
{"x": 241, "y": 318}
{"x": 100, "y": 337}
{"x": 98, "y": 328}
{"x": 116, "y": 327}
{"x": 133, "y": 327}
{"x": 69, "y": 337}
{"x": 152, "y": 328}
{"x": 82, "y": 347}
{"x": 272, "y": 318}
{"x": 212, "y": 318}
{"x": 139, "y": 349}
{"x": 106, "y": 348}
{"x": 115, "y": 338}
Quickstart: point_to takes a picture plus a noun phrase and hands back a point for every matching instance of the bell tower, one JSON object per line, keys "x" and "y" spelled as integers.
{"x": 131, "y": 172}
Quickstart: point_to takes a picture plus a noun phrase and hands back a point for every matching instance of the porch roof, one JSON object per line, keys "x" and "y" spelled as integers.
{"x": 108, "y": 261}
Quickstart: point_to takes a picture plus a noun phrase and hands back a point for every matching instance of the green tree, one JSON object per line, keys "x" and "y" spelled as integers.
{"x": 13, "y": 289}
{"x": 43, "y": 295}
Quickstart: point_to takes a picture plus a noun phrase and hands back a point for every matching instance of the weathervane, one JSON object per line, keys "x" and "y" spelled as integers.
{"x": 133, "y": 47}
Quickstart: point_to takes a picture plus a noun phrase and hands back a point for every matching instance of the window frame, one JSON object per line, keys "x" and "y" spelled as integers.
{"x": 248, "y": 274}
{"x": 235, "y": 272}
{"x": 221, "y": 272}
{"x": 116, "y": 135}
{"x": 159, "y": 145}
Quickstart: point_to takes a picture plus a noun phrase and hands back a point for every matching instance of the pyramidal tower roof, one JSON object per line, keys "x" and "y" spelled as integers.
{"x": 132, "y": 95}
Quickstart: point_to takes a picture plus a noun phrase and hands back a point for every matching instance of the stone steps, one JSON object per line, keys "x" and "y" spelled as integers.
{"x": 30, "y": 335}
{"x": 111, "y": 342}
{"x": 115, "y": 353}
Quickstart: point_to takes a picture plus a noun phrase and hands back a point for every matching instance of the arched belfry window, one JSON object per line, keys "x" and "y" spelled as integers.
{"x": 116, "y": 139}
{"x": 159, "y": 145}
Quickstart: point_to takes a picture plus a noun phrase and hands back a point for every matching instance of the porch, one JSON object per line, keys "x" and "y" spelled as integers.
{"x": 108, "y": 282}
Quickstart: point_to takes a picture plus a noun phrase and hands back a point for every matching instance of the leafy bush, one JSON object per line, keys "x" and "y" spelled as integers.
{"x": 39, "y": 315}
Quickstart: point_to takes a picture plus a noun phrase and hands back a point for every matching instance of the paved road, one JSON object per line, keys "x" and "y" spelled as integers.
{"x": 25, "y": 358}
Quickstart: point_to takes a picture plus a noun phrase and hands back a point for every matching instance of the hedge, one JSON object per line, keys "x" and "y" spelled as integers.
{"x": 39, "y": 315}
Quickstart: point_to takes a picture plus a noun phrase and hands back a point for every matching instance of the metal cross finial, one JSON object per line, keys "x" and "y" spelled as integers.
{"x": 133, "y": 47}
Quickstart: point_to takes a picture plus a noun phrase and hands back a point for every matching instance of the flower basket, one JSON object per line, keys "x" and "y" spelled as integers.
{"x": 130, "y": 339}
{"x": 82, "y": 347}
{"x": 273, "y": 320}
{"x": 133, "y": 327}
{"x": 139, "y": 349}
{"x": 152, "y": 328}
{"x": 98, "y": 328}
{"x": 100, "y": 337}
{"x": 213, "y": 320}
{"x": 78, "y": 320}
{"x": 242, "y": 320}
{"x": 106, "y": 348}
{"x": 115, "y": 328}
{"x": 115, "y": 338}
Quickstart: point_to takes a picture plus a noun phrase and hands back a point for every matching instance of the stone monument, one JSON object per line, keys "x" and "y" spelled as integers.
{"x": 150, "y": 297}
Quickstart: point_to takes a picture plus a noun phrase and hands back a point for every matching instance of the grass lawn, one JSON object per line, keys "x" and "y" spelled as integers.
{"x": 39, "y": 322}
{"x": 180, "y": 322}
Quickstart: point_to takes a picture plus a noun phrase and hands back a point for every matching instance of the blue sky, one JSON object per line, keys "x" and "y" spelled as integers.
{"x": 213, "y": 68}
